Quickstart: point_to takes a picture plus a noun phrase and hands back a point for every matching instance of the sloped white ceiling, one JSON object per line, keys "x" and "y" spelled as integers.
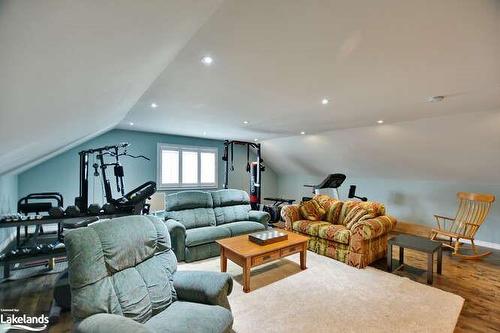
{"x": 463, "y": 148}
{"x": 275, "y": 60}
{"x": 72, "y": 69}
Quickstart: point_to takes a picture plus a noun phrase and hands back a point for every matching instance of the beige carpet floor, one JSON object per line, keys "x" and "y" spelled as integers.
{"x": 331, "y": 296}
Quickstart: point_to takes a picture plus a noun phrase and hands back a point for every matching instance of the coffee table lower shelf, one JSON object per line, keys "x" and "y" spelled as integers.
{"x": 247, "y": 261}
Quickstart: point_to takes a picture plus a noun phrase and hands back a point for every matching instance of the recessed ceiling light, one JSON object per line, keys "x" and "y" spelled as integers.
{"x": 435, "y": 99}
{"x": 245, "y": 122}
{"x": 302, "y": 133}
{"x": 131, "y": 123}
{"x": 380, "y": 121}
{"x": 207, "y": 60}
{"x": 204, "y": 133}
{"x": 154, "y": 105}
{"x": 255, "y": 140}
{"x": 324, "y": 101}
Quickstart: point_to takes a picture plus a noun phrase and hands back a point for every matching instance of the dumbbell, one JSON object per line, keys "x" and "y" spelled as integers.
{"x": 94, "y": 209}
{"x": 56, "y": 212}
{"x": 108, "y": 208}
{"x": 27, "y": 251}
{"x": 72, "y": 211}
{"x": 44, "y": 249}
{"x": 13, "y": 253}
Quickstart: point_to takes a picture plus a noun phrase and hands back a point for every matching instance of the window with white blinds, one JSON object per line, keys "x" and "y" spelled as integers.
{"x": 186, "y": 167}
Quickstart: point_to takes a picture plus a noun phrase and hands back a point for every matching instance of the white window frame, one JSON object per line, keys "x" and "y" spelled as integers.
{"x": 180, "y": 149}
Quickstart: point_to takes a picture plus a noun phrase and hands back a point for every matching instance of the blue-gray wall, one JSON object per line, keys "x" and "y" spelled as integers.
{"x": 8, "y": 203}
{"x": 408, "y": 200}
{"x": 61, "y": 172}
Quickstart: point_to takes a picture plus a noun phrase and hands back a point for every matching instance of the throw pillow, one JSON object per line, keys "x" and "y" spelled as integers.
{"x": 311, "y": 210}
{"x": 357, "y": 214}
{"x": 324, "y": 200}
{"x": 333, "y": 211}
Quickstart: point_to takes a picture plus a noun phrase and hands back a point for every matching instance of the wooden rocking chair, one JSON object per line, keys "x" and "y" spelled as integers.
{"x": 472, "y": 211}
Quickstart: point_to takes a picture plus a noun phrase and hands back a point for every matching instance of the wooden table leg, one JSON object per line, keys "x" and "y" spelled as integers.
{"x": 223, "y": 260}
{"x": 389, "y": 257}
{"x": 440, "y": 261}
{"x": 401, "y": 256}
{"x": 246, "y": 276}
{"x": 51, "y": 263}
{"x": 430, "y": 267}
{"x": 303, "y": 257}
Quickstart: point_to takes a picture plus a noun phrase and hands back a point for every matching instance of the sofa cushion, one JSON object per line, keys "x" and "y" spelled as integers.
{"x": 375, "y": 208}
{"x": 335, "y": 232}
{"x": 230, "y": 205}
{"x": 325, "y": 201}
{"x": 231, "y": 214}
{"x": 311, "y": 210}
{"x": 190, "y": 317}
{"x": 244, "y": 227}
{"x": 308, "y": 227}
{"x": 193, "y": 218}
{"x": 333, "y": 212}
{"x": 188, "y": 200}
{"x": 229, "y": 197}
{"x": 204, "y": 235}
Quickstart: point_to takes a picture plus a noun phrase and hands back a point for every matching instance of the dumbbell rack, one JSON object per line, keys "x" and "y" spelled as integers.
{"x": 66, "y": 223}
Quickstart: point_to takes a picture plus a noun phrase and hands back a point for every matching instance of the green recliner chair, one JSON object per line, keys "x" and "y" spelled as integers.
{"x": 123, "y": 278}
{"x": 196, "y": 219}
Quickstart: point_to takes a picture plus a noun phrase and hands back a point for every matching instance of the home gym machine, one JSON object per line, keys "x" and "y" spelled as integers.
{"x": 133, "y": 202}
{"x": 255, "y": 168}
{"x": 37, "y": 210}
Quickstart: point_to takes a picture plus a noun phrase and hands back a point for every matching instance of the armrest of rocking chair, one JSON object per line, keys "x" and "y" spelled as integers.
{"x": 444, "y": 217}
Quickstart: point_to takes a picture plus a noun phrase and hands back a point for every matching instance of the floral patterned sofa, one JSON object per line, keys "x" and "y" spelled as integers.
{"x": 353, "y": 232}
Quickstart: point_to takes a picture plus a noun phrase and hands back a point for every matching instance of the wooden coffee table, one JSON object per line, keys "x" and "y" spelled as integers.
{"x": 247, "y": 254}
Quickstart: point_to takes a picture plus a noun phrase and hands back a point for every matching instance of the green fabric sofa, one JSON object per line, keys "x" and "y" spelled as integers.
{"x": 123, "y": 278}
{"x": 196, "y": 219}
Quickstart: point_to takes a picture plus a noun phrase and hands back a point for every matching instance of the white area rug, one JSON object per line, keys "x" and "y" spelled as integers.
{"x": 331, "y": 296}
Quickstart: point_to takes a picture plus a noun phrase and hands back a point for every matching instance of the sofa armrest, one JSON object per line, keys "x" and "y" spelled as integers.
{"x": 106, "y": 323}
{"x": 177, "y": 233}
{"x": 259, "y": 216}
{"x": 290, "y": 214}
{"x": 203, "y": 287}
{"x": 373, "y": 228}
{"x": 161, "y": 214}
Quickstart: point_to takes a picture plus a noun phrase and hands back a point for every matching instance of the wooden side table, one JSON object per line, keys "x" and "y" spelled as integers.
{"x": 419, "y": 244}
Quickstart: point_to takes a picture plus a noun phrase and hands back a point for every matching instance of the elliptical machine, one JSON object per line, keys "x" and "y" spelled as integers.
{"x": 333, "y": 182}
